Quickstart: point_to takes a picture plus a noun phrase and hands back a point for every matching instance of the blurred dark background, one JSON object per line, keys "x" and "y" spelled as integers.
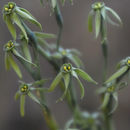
{"x": 75, "y": 34}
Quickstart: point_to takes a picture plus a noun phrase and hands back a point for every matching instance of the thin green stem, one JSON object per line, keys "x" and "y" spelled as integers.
{"x": 59, "y": 20}
{"x": 107, "y": 118}
{"x": 35, "y": 73}
{"x": 59, "y": 38}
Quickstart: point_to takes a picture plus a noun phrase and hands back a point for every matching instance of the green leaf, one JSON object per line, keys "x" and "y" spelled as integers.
{"x": 97, "y": 22}
{"x": 80, "y": 84}
{"x": 90, "y": 21}
{"x": 10, "y": 26}
{"x": 28, "y": 17}
{"x": 55, "y": 82}
{"x": 22, "y": 105}
{"x": 21, "y": 57}
{"x": 44, "y": 35}
{"x": 115, "y": 97}
{"x": 7, "y": 63}
{"x": 117, "y": 74}
{"x": 17, "y": 21}
{"x": 84, "y": 75}
{"x": 105, "y": 101}
{"x": 114, "y": 14}
{"x": 17, "y": 95}
{"x": 43, "y": 43}
{"x": 14, "y": 66}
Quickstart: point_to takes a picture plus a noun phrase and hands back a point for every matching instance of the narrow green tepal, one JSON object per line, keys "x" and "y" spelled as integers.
{"x": 10, "y": 26}
{"x": 26, "y": 16}
{"x": 97, "y": 23}
{"x": 84, "y": 75}
{"x": 15, "y": 66}
{"x": 119, "y": 73}
{"x": 55, "y": 82}
{"x": 90, "y": 21}
{"x": 22, "y": 105}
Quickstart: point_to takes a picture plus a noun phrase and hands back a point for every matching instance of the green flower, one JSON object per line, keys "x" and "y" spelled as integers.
{"x": 10, "y": 49}
{"x": 72, "y": 55}
{"x": 110, "y": 91}
{"x": 66, "y": 72}
{"x": 14, "y": 14}
{"x": 100, "y": 12}
{"x": 27, "y": 90}
{"x": 85, "y": 121}
{"x": 9, "y": 8}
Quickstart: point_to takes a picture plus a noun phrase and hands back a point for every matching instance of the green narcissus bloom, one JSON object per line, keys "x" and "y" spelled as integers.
{"x": 27, "y": 90}
{"x": 66, "y": 72}
{"x": 101, "y": 13}
{"x": 10, "y": 49}
{"x": 12, "y": 14}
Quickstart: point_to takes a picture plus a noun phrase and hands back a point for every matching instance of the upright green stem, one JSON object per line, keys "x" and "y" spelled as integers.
{"x": 107, "y": 117}
{"x": 59, "y": 20}
{"x": 35, "y": 73}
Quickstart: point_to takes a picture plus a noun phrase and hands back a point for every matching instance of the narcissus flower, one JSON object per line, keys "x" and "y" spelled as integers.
{"x": 13, "y": 14}
{"x": 66, "y": 72}
{"x": 27, "y": 90}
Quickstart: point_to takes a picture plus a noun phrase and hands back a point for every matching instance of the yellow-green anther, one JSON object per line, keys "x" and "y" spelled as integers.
{"x": 111, "y": 89}
{"x": 63, "y": 52}
{"x": 99, "y": 5}
{"x": 22, "y": 90}
{"x": 128, "y": 62}
{"x": 11, "y": 6}
{"x": 25, "y": 87}
{"x": 69, "y": 67}
{"x": 65, "y": 68}
{"x": 6, "y": 9}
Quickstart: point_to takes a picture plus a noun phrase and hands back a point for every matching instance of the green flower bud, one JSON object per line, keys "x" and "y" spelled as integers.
{"x": 98, "y": 6}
